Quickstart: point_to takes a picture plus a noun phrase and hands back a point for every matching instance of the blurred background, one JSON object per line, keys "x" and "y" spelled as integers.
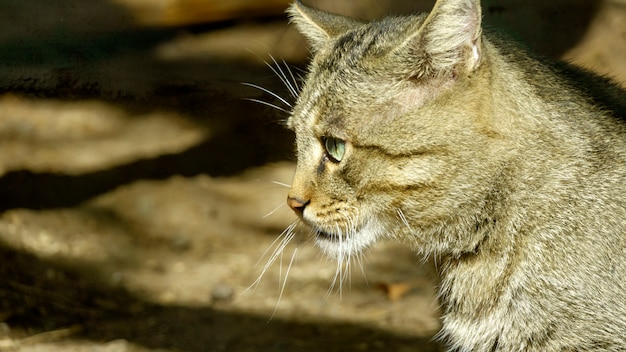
{"x": 142, "y": 191}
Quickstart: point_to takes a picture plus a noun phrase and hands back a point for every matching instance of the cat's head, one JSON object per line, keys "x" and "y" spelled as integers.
{"x": 386, "y": 125}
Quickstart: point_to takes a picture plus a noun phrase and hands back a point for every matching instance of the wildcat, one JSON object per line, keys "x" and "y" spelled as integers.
{"x": 509, "y": 170}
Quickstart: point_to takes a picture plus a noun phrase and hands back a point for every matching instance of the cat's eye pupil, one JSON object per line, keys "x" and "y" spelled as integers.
{"x": 335, "y": 148}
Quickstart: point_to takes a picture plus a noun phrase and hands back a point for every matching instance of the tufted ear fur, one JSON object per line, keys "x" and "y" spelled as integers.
{"x": 319, "y": 26}
{"x": 448, "y": 42}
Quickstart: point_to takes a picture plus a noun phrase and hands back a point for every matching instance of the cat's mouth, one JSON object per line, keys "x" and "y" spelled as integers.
{"x": 342, "y": 245}
{"x": 323, "y": 235}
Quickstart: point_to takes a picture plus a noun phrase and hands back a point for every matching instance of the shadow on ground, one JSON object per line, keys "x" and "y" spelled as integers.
{"x": 45, "y": 295}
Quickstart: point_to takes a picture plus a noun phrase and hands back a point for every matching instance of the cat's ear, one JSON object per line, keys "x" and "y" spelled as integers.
{"x": 449, "y": 40}
{"x": 319, "y": 26}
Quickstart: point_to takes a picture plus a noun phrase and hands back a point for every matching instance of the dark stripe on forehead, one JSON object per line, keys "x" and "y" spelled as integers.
{"x": 377, "y": 38}
{"x": 353, "y": 46}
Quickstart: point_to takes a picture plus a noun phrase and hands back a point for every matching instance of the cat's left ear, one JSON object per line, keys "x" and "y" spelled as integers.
{"x": 449, "y": 40}
{"x": 319, "y": 26}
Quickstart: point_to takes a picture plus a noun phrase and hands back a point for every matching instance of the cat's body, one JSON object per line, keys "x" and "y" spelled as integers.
{"x": 509, "y": 171}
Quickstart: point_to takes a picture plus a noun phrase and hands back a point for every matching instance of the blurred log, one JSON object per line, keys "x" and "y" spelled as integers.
{"x": 186, "y": 12}
{"x": 603, "y": 48}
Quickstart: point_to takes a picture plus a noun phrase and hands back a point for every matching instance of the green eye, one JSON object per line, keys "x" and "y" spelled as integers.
{"x": 335, "y": 148}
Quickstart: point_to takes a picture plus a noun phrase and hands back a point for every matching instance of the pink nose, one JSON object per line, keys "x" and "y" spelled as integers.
{"x": 297, "y": 205}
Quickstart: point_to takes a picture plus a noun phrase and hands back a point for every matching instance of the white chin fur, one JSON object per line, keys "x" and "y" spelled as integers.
{"x": 350, "y": 244}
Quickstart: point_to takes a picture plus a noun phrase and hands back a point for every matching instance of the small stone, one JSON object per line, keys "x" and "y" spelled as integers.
{"x": 181, "y": 244}
{"x": 5, "y": 329}
{"x": 222, "y": 292}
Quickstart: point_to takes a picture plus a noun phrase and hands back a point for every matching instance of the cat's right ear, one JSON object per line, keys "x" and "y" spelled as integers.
{"x": 318, "y": 26}
{"x": 449, "y": 40}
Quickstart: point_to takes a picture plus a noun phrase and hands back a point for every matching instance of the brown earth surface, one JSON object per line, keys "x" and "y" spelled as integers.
{"x": 141, "y": 195}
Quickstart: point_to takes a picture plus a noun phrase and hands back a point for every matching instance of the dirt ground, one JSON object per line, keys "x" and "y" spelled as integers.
{"x": 142, "y": 195}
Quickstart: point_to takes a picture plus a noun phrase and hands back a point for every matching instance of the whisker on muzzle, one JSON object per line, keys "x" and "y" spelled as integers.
{"x": 279, "y": 245}
{"x": 282, "y": 204}
{"x": 294, "y": 255}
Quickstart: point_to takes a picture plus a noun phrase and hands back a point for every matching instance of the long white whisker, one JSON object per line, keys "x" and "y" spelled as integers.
{"x": 283, "y": 239}
{"x": 359, "y": 259}
{"x": 342, "y": 260}
{"x": 404, "y": 220}
{"x": 335, "y": 280}
{"x": 269, "y": 65}
{"x": 293, "y": 79}
{"x": 278, "y": 238}
{"x": 280, "y": 269}
{"x": 282, "y": 204}
{"x": 283, "y": 100}
{"x": 276, "y": 254}
{"x": 281, "y": 74}
{"x": 281, "y": 77}
{"x": 352, "y": 230}
{"x": 284, "y": 283}
{"x": 346, "y": 276}
{"x": 268, "y": 104}
{"x": 281, "y": 184}
{"x": 292, "y": 87}
{"x": 279, "y": 251}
